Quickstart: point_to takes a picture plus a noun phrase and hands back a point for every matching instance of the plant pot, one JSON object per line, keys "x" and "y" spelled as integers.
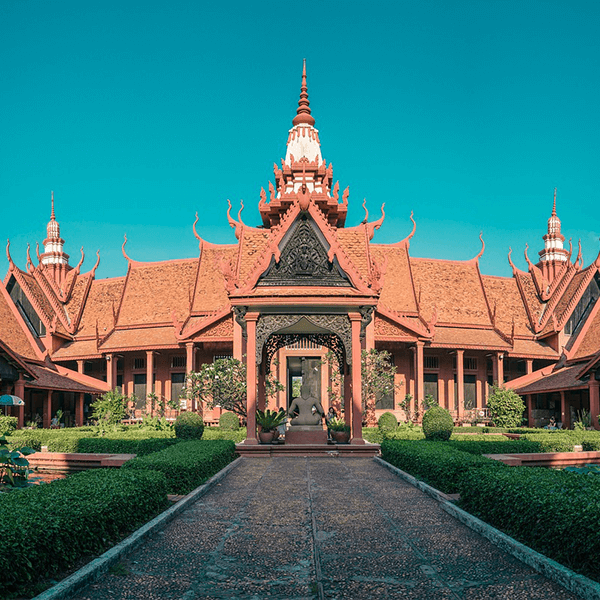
{"x": 341, "y": 437}
{"x": 266, "y": 437}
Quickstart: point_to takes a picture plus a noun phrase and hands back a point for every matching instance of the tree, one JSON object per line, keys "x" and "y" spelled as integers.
{"x": 223, "y": 383}
{"x": 506, "y": 407}
{"x": 110, "y": 408}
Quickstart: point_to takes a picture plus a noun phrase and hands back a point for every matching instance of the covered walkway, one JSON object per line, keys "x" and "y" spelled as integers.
{"x": 312, "y": 528}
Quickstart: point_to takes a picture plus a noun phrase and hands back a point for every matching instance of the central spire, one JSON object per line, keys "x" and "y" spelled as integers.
{"x": 303, "y": 115}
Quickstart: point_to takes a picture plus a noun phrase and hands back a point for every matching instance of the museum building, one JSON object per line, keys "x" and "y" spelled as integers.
{"x": 298, "y": 285}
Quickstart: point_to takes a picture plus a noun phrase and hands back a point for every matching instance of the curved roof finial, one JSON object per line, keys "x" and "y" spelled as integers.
{"x": 29, "y": 261}
{"x": 194, "y": 228}
{"x": 570, "y": 248}
{"x": 364, "y": 205}
{"x": 482, "y": 246}
{"x": 527, "y": 257}
{"x": 371, "y": 227}
{"x": 237, "y": 227}
{"x": 240, "y": 212}
{"x": 510, "y": 262}
{"x": 97, "y": 262}
{"x": 80, "y": 261}
{"x": 597, "y": 261}
{"x": 10, "y": 260}
{"x": 303, "y": 115}
{"x": 579, "y": 258}
{"x": 414, "y": 226}
{"x": 123, "y": 249}
{"x": 37, "y": 252}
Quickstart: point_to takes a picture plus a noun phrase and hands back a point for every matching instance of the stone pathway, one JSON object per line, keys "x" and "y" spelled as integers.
{"x": 313, "y": 528}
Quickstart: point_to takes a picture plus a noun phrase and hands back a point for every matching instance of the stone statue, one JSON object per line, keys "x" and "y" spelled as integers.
{"x": 301, "y": 410}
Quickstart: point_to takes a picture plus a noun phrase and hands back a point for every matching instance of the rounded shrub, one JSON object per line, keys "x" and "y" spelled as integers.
{"x": 230, "y": 421}
{"x": 437, "y": 424}
{"x": 189, "y": 426}
{"x": 388, "y": 422}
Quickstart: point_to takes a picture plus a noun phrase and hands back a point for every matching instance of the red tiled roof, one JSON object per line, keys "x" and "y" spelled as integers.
{"x": 12, "y": 332}
{"x": 387, "y": 329}
{"x": 354, "y": 244}
{"x": 103, "y": 298}
{"x": 530, "y": 295}
{"x": 451, "y": 287}
{"x": 252, "y": 245}
{"x": 154, "y": 290}
{"x": 210, "y": 294}
{"x": 504, "y": 297}
{"x": 147, "y": 337}
{"x": 590, "y": 343}
{"x": 59, "y": 378}
{"x": 460, "y": 337}
{"x": 77, "y": 349}
{"x": 397, "y": 292}
{"x": 73, "y": 306}
{"x": 533, "y": 349}
{"x": 562, "y": 379}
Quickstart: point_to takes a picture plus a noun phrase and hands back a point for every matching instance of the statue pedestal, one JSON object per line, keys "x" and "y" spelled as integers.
{"x": 306, "y": 434}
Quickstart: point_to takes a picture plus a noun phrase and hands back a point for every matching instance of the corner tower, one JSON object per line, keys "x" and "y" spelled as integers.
{"x": 553, "y": 256}
{"x": 54, "y": 259}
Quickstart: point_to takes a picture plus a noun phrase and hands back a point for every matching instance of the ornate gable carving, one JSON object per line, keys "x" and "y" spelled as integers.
{"x": 304, "y": 260}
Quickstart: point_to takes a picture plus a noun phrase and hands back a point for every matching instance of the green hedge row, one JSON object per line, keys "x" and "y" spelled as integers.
{"x": 554, "y": 512}
{"x": 496, "y": 444}
{"x": 218, "y": 433}
{"x": 437, "y": 463}
{"x": 107, "y": 445}
{"x": 7, "y": 424}
{"x": 187, "y": 464}
{"x": 45, "y": 529}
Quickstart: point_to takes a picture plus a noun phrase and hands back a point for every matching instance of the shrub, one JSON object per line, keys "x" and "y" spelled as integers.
{"x": 387, "y": 422}
{"x": 229, "y": 420}
{"x": 7, "y": 424}
{"x": 493, "y": 444}
{"x": 216, "y": 433}
{"x": 110, "y": 408}
{"x": 436, "y": 463}
{"x": 45, "y": 529}
{"x": 437, "y": 424}
{"x": 506, "y": 407}
{"x": 187, "y": 464}
{"x": 139, "y": 447}
{"x": 189, "y": 426}
{"x": 556, "y": 441}
{"x": 553, "y": 512}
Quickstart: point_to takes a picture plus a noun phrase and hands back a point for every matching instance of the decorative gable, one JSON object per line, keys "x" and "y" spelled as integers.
{"x": 304, "y": 259}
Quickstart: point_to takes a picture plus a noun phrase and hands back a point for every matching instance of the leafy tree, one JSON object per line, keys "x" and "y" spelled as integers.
{"x": 110, "y": 408}
{"x": 506, "y": 407}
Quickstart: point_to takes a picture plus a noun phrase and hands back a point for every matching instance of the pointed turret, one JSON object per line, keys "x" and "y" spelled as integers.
{"x": 54, "y": 258}
{"x": 553, "y": 256}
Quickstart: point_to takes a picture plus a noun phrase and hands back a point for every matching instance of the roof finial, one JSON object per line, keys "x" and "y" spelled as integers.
{"x": 52, "y": 216}
{"x": 303, "y": 111}
{"x": 554, "y": 205}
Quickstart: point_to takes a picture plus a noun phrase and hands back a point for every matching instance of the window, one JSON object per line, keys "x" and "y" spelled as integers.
{"x": 221, "y": 356}
{"x": 139, "y": 363}
{"x": 88, "y": 367}
{"x": 177, "y": 381}
{"x": 27, "y": 311}
{"x": 431, "y": 362}
{"x": 177, "y": 362}
{"x": 431, "y": 385}
{"x": 120, "y": 364}
{"x": 470, "y": 391}
{"x": 470, "y": 364}
{"x": 120, "y": 383}
{"x": 583, "y": 307}
{"x": 139, "y": 389}
{"x": 385, "y": 401}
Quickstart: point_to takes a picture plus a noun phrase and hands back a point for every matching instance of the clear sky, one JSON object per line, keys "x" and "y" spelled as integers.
{"x": 140, "y": 113}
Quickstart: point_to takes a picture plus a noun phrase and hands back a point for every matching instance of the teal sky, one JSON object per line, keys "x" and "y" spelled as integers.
{"x": 139, "y": 114}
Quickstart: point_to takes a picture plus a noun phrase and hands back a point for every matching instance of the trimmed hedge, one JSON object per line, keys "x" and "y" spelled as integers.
{"x": 497, "y": 444}
{"x": 556, "y": 513}
{"x": 556, "y": 441}
{"x": 229, "y": 420}
{"x": 437, "y": 424}
{"x": 216, "y": 433}
{"x": 387, "y": 422}
{"x": 189, "y": 426}
{"x": 107, "y": 445}
{"x": 7, "y": 424}
{"x": 436, "y": 463}
{"x": 57, "y": 440}
{"x": 187, "y": 464}
{"x": 45, "y": 529}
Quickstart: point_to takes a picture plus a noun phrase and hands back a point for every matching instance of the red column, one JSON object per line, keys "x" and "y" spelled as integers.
{"x": 355, "y": 319}
{"x": 529, "y": 366}
{"x": 111, "y": 371}
{"x": 419, "y": 376}
{"x": 594, "y": 402}
{"x": 347, "y": 397}
{"x": 79, "y": 410}
{"x": 149, "y": 375}
{"x": 237, "y": 340}
{"x": 262, "y": 395}
{"x": 251, "y": 320}
{"x": 529, "y": 401}
{"x": 189, "y": 367}
{"x": 565, "y": 417}
{"x": 47, "y": 409}
{"x": 20, "y": 393}
{"x": 80, "y": 366}
{"x": 500, "y": 368}
{"x": 460, "y": 379}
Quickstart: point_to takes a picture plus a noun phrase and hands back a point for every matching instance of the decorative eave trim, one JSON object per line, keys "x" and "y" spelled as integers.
{"x": 404, "y": 322}
{"x": 211, "y": 319}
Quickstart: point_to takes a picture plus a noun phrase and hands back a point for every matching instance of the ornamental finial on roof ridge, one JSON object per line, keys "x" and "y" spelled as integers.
{"x": 303, "y": 114}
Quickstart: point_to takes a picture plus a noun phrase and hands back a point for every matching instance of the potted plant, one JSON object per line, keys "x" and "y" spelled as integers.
{"x": 340, "y": 432}
{"x": 268, "y": 421}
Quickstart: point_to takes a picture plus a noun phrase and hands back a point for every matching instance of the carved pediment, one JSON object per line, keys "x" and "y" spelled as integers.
{"x": 304, "y": 259}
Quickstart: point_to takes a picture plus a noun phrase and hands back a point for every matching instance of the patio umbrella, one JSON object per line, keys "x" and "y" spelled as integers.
{"x": 8, "y": 400}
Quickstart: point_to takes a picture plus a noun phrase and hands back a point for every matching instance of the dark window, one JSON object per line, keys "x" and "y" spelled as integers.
{"x": 470, "y": 364}
{"x": 120, "y": 383}
{"x": 177, "y": 362}
{"x": 470, "y": 390}
{"x": 583, "y": 307}
{"x": 431, "y": 362}
{"x": 139, "y": 390}
{"x": 27, "y": 311}
{"x": 431, "y": 385}
{"x": 177, "y": 380}
{"x": 139, "y": 363}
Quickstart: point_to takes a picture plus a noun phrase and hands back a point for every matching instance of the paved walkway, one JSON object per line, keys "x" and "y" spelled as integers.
{"x": 312, "y": 528}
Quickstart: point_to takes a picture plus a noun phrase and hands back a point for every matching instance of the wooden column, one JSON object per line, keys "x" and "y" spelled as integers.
{"x": 565, "y": 416}
{"x": 238, "y": 340}
{"x": 529, "y": 402}
{"x": 529, "y": 366}
{"x": 47, "y": 410}
{"x": 20, "y": 393}
{"x": 80, "y": 364}
{"x": 500, "y": 368}
{"x": 419, "y": 375}
{"x": 460, "y": 384}
{"x": 594, "y": 401}
{"x": 348, "y": 397}
{"x": 79, "y": 409}
{"x": 355, "y": 319}
{"x": 251, "y": 320}
{"x": 189, "y": 367}
{"x": 149, "y": 375}
{"x": 111, "y": 371}
{"x": 262, "y": 392}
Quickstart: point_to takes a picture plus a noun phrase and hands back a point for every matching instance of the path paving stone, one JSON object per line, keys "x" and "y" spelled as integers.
{"x": 313, "y": 528}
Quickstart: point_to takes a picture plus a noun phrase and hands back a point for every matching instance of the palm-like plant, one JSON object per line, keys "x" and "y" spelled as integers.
{"x": 270, "y": 419}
